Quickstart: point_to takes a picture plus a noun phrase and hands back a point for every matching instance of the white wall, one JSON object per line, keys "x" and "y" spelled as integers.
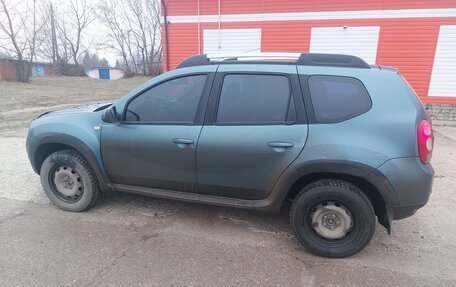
{"x": 231, "y": 41}
{"x": 356, "y": 41}
{"x": 443, "y": 78}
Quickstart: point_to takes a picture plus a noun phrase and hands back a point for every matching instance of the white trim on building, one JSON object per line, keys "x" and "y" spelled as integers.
{"x": 331, "y": 15}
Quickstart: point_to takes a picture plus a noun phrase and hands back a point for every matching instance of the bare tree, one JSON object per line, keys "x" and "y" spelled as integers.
{"x": 36, "y": 30}
{"x": 48, "y": 48}
{"x": 34, "y": 38}
{"x": 134, "y": 33}
{"x": 23, "y": 24}
{"x": 13, "y": 27}
{"x": 51, "y": 47}
{"x": 110, "y": 15}
{"x": 154, "y": 24}
{"x": 137, "y": 9}
{"x": 52, "y": 23}
{"x": 73, "y": 25}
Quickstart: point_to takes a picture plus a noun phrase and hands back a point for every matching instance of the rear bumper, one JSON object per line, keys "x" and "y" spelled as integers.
{"x": 412, "y": 182}
{"x": 404, "y": 211}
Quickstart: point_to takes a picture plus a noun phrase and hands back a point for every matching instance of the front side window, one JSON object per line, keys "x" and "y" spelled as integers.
{"x": 247, "y": 98}
{"x": 174, "y": 101}
{"x": 336, "y": 98}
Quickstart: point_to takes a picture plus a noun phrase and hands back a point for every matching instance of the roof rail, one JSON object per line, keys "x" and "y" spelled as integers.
{"x": 332, "y": 60}
{"x": 304, "y": 59}
{"x": 253, "y": 56}
{"x": 386, "y": 68}
{"x": 197, "y": 60}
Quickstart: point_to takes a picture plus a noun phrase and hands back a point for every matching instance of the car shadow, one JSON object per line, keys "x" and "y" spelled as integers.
{"x": 236, "y": 220}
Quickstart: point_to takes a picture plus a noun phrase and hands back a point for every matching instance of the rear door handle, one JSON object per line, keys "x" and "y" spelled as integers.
{"x": 280, "y": 144}
{"x": 183, "y": 142}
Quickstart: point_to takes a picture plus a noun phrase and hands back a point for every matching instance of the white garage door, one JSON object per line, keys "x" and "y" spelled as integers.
{"x": 232, "y": 41}
{"x": 357, "y": 41}
{"x": 443, "y": 79}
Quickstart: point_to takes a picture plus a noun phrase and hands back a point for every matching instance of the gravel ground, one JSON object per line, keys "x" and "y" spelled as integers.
{"x": 133, "y": 240}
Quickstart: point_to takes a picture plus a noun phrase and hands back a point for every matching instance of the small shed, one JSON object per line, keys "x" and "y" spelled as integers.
{"x": 9, "y": 70}
{"x": 38, "y": 70}
{"x": 104, "y": 73}
{"x": 41, "y": 69}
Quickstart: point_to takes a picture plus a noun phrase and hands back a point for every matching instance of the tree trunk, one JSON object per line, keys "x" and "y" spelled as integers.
{"x": 23, "y": 71}
{"x": 55, "y": 50}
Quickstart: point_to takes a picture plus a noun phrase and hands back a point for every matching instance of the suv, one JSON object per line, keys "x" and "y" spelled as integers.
{"x": 344, "y": 141}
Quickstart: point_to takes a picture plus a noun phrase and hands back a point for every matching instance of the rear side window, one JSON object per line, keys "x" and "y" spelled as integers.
{"x": 255, "y": 99}
{"x": 336, "y": 99}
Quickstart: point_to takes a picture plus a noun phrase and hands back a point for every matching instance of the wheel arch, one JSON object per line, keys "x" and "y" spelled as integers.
{"x": 51, "y": 143}
{"x": 367, "y": 178}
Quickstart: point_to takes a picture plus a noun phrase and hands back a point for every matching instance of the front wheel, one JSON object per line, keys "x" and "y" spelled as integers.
{"x": 69, "y": 181}
{"x": 332, "y": 218}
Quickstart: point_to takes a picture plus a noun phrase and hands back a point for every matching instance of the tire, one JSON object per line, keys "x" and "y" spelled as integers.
{"x": 344, "y": 234}
{"x": 69, "y": 181}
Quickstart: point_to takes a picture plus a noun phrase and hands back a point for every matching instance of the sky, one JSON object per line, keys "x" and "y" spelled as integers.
{"x": 95, "y": 32}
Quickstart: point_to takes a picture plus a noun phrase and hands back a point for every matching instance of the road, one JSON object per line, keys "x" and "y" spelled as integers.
{"x": 133, "y": 240}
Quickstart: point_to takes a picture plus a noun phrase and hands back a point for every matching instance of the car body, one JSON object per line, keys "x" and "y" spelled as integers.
{"x": 252, "y": 134}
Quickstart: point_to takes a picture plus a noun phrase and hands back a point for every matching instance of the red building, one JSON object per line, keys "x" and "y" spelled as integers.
{"x": 9, "y": 70}
{"x": 416, "y": 36}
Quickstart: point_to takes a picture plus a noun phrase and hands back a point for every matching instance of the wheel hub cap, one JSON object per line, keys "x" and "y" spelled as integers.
{"x": 331, "y": 220}
{"x": 68, "y": 182}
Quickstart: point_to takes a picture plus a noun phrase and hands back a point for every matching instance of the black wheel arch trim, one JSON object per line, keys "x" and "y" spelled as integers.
{"x": 72, "y": 142}
{"x": 341, "y": 167}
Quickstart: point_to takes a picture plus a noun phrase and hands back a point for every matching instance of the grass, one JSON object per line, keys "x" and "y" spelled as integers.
{"x": 21, "y": 102}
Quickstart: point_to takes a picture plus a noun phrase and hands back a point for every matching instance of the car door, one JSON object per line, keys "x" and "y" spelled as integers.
{"x": 155, "y": 143}
{"x": 254, "y": 129}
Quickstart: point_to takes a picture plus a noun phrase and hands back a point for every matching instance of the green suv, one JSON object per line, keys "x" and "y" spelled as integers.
{"x": 346, "y": 142}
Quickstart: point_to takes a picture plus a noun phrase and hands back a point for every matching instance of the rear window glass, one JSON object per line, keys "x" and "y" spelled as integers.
{"x": 336, "y": 99}
{"x": 255, "y": 99}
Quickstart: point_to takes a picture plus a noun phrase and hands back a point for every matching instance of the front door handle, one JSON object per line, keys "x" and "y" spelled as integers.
{"x": 183, "y": 142}
{"x": 280, "y": 146}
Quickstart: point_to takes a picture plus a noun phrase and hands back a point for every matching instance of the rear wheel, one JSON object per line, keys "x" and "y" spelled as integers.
{"x": 332, "y": 218}
{"x": 69, "y": 181}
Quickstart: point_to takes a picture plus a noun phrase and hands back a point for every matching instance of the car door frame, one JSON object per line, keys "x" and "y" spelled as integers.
{"x": 198, "y": 121}
{"x": 213, "y": 103}
{"x": 296, "y": 96}
{"x": 200, "y": 111}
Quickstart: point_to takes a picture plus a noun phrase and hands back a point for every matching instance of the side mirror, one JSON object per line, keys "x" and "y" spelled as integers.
{"x": 111, "y": 115}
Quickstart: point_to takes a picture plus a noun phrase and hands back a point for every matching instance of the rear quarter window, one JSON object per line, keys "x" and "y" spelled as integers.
{"x": 336, "y": 98}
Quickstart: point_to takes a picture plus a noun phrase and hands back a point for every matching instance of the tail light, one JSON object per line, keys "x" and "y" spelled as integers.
{"x": 425, "y": 141}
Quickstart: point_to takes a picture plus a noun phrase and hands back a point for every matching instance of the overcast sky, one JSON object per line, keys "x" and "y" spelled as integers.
{"x": 95, "y": 33}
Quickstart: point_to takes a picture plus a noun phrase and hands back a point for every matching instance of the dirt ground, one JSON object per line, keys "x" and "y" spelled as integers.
{"x": 22, "y": 102}
{"x": 132, "y": 240}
